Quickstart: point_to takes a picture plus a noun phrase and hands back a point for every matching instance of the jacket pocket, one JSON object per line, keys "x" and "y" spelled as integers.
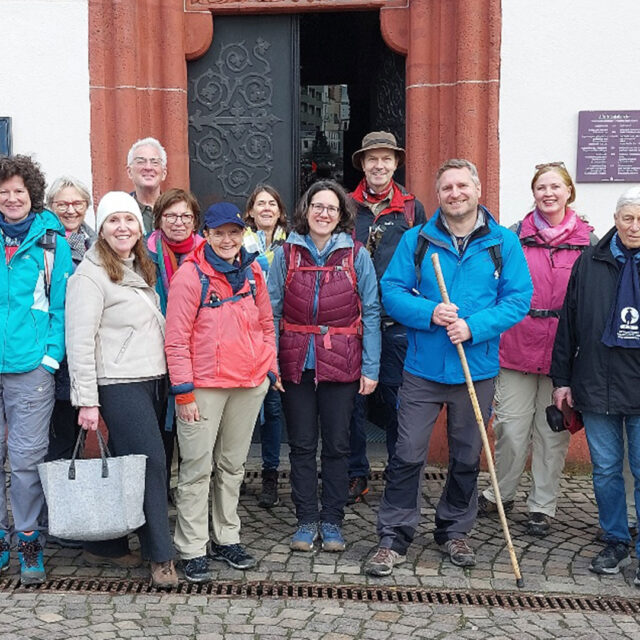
{"x": 124, "y": 346}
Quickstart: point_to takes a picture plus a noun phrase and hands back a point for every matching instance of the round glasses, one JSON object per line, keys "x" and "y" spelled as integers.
{"x": 62, "y": 206}
{"x": 318, "y": 209}
{"x": 172, "y": 218}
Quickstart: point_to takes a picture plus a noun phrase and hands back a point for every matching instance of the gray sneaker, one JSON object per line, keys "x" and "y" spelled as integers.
{"x": 459, "y": 552}
{"x": 383, "y": 562}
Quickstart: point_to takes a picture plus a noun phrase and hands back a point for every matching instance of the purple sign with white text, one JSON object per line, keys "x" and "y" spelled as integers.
{"x": 608, "y": 146}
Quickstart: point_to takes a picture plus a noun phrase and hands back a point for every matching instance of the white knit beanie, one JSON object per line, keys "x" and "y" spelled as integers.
{"x": 116, "y": 202}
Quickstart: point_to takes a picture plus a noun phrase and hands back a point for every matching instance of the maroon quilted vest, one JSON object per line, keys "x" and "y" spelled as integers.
{"x": 337, "y": 326}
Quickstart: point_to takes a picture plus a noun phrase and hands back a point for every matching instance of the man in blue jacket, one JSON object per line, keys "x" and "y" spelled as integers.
{"x": 490, "y": 290}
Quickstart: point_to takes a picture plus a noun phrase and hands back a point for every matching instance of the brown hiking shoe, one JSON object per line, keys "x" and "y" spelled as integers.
{"x": 383, "y": 562}
{"x": 128, "y": 561}
{"x": 488, "y": 508}
{"x": 163, "y": 575}
{"x": 459, "y": 552}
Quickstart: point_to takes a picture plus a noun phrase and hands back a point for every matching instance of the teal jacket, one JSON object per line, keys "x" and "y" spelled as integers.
{"x": 32, "y": 324}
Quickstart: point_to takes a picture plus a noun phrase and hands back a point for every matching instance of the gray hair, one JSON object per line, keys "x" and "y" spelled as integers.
{"x": 458, "y": 163}
{"x": 141, "y": 143}
{"x": 62, "y": 183}
{"x": 631, "y": 197}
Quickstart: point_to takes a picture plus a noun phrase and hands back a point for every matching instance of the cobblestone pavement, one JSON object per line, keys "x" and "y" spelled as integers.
{"x": 97, "y": 617}
{"x": 557, "y": 564}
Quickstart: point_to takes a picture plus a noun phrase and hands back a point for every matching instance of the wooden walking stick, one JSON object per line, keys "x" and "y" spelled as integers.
{"x": 483, "y": 432}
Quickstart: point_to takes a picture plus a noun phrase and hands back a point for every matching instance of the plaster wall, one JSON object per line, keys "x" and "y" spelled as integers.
{"x": 560, "y": 57}
{"x": 44, "y": 83}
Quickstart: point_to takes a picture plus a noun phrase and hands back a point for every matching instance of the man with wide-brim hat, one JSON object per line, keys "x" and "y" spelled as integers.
{"x": 385, "y": 210}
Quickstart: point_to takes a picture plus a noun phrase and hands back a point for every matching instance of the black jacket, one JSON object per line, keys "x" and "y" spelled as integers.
{"x": 602, "y": 379}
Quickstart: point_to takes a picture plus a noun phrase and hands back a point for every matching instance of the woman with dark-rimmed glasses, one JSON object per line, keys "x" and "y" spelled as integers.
{"x": 324, "y": 294}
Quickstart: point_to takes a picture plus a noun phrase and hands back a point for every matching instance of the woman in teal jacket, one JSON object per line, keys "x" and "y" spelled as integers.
{"x": 33, "y": 280}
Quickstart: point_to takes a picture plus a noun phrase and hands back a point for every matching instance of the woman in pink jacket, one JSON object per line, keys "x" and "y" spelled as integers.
{"x": 553, "y": 237}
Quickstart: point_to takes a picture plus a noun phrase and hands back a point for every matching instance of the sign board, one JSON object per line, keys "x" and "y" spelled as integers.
{"x": 5, "y": 137}
{"x": 608, "y": 146}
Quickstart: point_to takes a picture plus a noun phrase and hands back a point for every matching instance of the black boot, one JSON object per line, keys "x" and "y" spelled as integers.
{"x": 269, "y": 495}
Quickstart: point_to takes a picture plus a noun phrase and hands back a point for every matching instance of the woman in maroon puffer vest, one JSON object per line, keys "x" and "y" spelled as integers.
{"x": 325, "y": 303}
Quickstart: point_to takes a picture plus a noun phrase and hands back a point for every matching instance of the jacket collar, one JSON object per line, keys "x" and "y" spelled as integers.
{"x": 342, "y": 241}
{"x": 129, "y": 278}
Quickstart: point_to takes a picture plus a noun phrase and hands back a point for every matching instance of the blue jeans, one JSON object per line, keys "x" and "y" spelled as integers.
{"x": 271, "y": 430}
{"x": 606, "y": 446}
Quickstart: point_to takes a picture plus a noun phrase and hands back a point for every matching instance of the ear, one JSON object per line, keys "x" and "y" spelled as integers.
{"x": 129, "y": 173}
{"x": 164, "y": 174}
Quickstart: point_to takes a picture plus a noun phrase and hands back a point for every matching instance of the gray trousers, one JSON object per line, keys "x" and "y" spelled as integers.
{"x": 419, "y": 403}
{"x": 26, "y": 403}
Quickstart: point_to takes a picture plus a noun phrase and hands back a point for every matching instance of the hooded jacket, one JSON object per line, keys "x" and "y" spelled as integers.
{"x": 32, "y": 323}
{"x": 489, "y": 304}
{"x": 602, "y": 379}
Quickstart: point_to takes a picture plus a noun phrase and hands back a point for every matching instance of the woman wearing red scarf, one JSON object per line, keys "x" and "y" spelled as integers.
{"x": 552, "y": 237}
{"x": 176, "y": 216}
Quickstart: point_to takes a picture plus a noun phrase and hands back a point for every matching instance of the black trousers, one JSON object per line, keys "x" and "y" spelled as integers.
{"x": 303, "y": 404}
{"x": 63, "y": 431}
{"x": 131, "y": 412}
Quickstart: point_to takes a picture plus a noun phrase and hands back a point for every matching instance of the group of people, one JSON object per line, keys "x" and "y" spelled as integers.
{"x": 176, "y": 327}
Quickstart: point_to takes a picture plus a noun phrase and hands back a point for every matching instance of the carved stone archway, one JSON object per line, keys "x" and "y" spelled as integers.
{"x": 138, "y": 79}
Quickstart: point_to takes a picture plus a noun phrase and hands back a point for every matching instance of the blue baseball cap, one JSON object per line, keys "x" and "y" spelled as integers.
{"x": 223, "y": 213}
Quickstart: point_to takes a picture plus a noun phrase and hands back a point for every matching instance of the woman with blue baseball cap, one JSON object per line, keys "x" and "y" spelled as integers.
{"x": 221, "y": 352}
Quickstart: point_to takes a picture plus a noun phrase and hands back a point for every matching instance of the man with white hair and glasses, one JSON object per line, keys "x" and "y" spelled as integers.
{"x": 147, "y": 169}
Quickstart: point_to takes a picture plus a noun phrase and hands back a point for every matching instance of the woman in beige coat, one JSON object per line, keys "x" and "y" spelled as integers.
{"x": 115, "y": 349}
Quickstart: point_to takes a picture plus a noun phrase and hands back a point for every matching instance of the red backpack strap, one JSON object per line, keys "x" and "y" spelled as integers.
{"x": 292, "y": 259}
{"x": 410, "y": 211}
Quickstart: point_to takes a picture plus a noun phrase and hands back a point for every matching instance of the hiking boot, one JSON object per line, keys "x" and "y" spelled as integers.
{"x": 488, "y": 508}
{"x": 357, "y": 489}
{"x": 383, "y": 562}
{"x": 197, "y": 570}
{"x": 538, "y": 524}
{"x": 459, "y": 552}
{"x": 269, "y": 495}
{"x": 130, "y": 560}
{"x": 611, "y": 559}
{"x": 331, "y": 535}
{"x": 31, "y": 558}
{"x": 305, "y": 536}
{"x": 163, "y": 575}
{"x": 5, "y": 556}
{"x": 233, "y": 554}
{"x": 601, "y": 534}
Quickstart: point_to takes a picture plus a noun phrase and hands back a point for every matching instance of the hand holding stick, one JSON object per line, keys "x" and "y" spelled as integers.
{"x": 483, "y": 432}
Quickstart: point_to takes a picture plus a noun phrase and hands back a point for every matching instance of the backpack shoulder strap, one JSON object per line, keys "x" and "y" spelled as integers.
{"x": 495, "y": 251}
{"x": 291, "y": 257}
{"x": 204, "y": 283}
{"x": 418, "y": 255}
{"x": 48, "y": 244}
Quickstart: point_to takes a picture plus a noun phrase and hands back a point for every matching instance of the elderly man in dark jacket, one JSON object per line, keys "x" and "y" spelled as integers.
{"x": 596, "y": 369}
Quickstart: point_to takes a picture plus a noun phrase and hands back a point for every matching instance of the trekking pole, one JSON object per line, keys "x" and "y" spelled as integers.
{"x": 483, "y": 432}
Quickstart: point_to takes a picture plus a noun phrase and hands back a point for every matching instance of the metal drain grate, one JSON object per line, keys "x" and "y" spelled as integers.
{"x": 251, "y": 477}
{"x": 506, "y": 600}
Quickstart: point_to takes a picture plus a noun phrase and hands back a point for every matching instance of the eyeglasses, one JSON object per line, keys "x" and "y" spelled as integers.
{"x": 62, "y": 206}
{"x": 139, "y": 161}
{"x": 544, "y": 165}
{"x": 318, "y": 208}
{"x": 185, "y": 218}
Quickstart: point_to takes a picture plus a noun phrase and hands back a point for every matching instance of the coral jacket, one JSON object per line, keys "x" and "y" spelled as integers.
{"x": 232, "y": 345}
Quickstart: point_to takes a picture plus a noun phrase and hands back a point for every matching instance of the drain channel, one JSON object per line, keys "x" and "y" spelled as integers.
{"x": 506, "y": 600}
{"x": 251, "y": 477}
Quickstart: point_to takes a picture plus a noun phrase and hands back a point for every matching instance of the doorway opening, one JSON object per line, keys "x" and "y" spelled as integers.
{"x": 350, "y": 83}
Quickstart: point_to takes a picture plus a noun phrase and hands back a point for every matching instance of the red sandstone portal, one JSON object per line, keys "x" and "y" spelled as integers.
{"x": 138, "y": 86}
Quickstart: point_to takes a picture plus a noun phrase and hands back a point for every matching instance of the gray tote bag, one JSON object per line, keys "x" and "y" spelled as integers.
{"x": 96, "y": 499}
